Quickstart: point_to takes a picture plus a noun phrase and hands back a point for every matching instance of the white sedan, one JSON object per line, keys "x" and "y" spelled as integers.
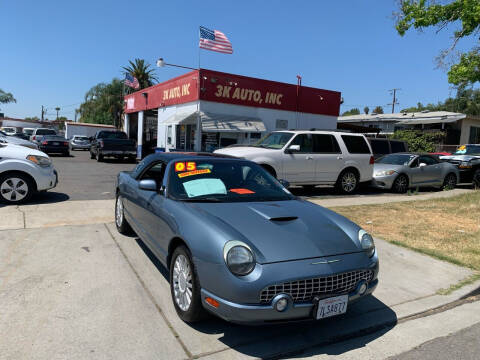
{"x": 24, "y": 171}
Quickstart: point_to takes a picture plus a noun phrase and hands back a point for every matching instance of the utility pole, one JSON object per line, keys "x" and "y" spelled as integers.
{"x": 394, "y": 102}
{"x": 44, "y": 110}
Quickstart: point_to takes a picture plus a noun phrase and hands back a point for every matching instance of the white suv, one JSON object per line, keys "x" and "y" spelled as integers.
{"x": 310, "y": 158}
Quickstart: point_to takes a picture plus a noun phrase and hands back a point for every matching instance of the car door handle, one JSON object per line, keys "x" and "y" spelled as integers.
{"x": 309, "y": 158}
{"x": 339, "y": 157}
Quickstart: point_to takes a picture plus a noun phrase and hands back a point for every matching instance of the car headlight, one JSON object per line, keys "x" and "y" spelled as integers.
{"x": 465, "y": 165}
{"x": 385, "y": 173}
{"x": 40, "y": 160}
{"x": 367, "y": 243}
{"x": 239, "y": 258}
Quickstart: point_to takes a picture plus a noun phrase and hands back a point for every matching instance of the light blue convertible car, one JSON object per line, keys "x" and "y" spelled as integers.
{"x": 239, "y": 245}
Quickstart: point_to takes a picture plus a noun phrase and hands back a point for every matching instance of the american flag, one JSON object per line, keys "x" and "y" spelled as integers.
{"x": 131, "y": 81}
{"x": 214, "y": 40}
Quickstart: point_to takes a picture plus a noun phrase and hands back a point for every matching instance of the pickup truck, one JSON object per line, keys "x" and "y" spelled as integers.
{"x": 467, "y": 159}
{"x": 112, "y": 144}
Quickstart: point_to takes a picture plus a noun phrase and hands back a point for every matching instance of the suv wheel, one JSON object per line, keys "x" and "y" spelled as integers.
{"x": 347, "y": 182}
{"x": 400, "y": 185}
{"x": 15, "y": 188}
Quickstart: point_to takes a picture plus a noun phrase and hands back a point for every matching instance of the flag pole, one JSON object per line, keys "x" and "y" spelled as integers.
{"x": 199, "y": 48}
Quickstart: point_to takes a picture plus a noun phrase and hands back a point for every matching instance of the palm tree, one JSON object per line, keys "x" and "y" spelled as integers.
{"x": 142, "y": 71}
{"x": 57, "y": 109}
{"x": 6, "y": 98}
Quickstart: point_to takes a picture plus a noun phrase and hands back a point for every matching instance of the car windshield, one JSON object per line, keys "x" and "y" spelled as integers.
{"x": 28, "y": 131}
{"x": 223, "y": 181}
{"x": 396, "y": 159}
{"x": 468, "y": 150}
{"x": 275, "y": 140}
{"x": 82, "y": 138}
{"x": 112, "y": 135}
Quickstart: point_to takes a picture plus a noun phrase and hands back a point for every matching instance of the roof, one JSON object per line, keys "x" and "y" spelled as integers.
{"x": 319, "y": 131}
{"x": 169, "y": 156}
{"x": 88, "y": 124}
{"x": 427, "y": 117}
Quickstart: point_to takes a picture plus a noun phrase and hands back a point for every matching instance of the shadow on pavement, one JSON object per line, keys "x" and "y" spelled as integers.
{"x": 47, "y": 197}
{"x": 368, "y": 316}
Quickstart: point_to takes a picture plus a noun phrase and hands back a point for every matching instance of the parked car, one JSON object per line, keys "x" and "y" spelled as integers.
{"x": 80, "y": 142}
{"x": 9, "y": 130}
{"x": 28, "y": 131}
{"x": 22, "y": 136}
{"x": 381, "y": 147}
{"x": 112, "y": 144}
{"x": 16, "y": 141}
{"x": 467, "y": 159}
{"x": 310, "y": 158}
{"x": 239, "y": 245}
{"x": 402, "y": 171}
{"x": 54, "y": 144}
{"x": 23, "y": 172}
{"x": 39, "y": 132}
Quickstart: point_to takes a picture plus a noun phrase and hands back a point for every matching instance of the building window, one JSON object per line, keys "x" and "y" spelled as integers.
{"x": 169, "y": 134}
{"x": 474, "y": 135}
{"x": 281, "y": 124}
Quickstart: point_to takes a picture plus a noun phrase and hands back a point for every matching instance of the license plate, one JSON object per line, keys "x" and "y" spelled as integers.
{"x": 56, "y": 143}
{"x": 332, "y": 306}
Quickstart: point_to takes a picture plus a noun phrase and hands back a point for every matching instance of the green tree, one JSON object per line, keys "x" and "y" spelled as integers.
{"x": 378, "y": 110}
{"x": 354, "y": 111}
{"x": 144, "y": 73}
{"x": 366, "y": 110}
{"x": 421, "y": 14}
{"x": 6, "y": 98}
{"x": 103, "y": 104}
{"x": 34, "y": 118}
{"x": 419, "y": 141}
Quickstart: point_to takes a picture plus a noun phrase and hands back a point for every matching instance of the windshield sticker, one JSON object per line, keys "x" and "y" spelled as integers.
{"x": 194, "y": 172}
{"x": 201, "y": 187}
{"x": 462, "y": 149}
{"x": 185, "y": 166}
{"x": 242, "y": 191}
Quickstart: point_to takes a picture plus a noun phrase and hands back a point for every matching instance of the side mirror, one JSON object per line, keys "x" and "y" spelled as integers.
{"x": 285, "y": 183}
{"x": 293, "y": 148}
{"x": 147, "y": 185}
{"x": 422, "y": 165}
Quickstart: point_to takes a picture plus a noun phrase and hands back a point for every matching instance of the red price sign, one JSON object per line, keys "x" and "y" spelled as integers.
{"x": 185, "y": 166}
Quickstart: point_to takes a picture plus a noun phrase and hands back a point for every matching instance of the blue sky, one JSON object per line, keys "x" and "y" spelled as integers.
{"x": 53, "y": 52}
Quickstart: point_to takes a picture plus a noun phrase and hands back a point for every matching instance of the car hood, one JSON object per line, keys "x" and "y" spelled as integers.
{"x": 385, "y": 167}
{"x": 17, "y": 141}
{"x": 244, "y": 151}
{"x": 19, "y": 152}
{"x": 285, "y": 230}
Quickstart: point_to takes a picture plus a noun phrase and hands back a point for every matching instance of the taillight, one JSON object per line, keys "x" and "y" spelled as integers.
{"x": 372, "y": 160}
{"x": 44, "y": 143}
{"x": 65, "y": 143}
{"x": 34, "y": 137}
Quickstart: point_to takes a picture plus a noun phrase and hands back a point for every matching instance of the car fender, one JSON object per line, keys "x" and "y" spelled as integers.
{"x": 270, "y": 162}
{"x": 19, "y": 165}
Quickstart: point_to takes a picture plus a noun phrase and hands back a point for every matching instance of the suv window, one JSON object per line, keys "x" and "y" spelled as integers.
{"x": 305, "y": 141}
{"x": 398, "y": 146}
{"x": 45, "y": 132}
{"x": 356, "y": 144}
{"x": 380, "y": 146}
{"x": 324, "y": 143}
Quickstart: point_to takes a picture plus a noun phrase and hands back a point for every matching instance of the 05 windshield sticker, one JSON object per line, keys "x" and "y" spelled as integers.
{"x": 242, "y": 191}
{"x": 185, "y": 166}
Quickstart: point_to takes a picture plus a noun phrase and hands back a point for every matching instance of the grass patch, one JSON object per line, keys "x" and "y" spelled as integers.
{"x": 448, "y": 229}
{"x": 469, "y": 280}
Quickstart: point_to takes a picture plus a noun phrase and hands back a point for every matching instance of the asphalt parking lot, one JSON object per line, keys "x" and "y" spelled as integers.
{"x": 81, "y": 178}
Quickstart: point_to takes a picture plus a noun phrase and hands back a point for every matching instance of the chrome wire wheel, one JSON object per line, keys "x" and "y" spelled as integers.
{"x": 14, "y": 189}
{"x": 182, "y": 282}
{"x": 119, "y": 211}
{"x": 349, "y": 182}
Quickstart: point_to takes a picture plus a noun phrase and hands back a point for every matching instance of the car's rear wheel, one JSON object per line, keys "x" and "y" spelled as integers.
{"x": 15, "y": 188}
{"x": 347, "y": 182}
{"x": 99, "y": 156}
{"x": 450, "y": 181}
{"x": 185, "y": 287}
{"x": 92, "y": 155}
{"x": 400, "y": 185}
{"x": 122, "y": 224}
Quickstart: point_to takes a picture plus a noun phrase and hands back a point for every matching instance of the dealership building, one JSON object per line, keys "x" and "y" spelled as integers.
{"x": 225, "y": 108}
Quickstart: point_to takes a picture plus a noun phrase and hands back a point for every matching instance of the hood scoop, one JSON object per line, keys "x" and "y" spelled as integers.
{"x": 284, "y": 218}
{"x": 273, "y": 212}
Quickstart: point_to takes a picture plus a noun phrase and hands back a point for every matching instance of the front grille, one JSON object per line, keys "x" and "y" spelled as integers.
{"x": 305, "y": 290}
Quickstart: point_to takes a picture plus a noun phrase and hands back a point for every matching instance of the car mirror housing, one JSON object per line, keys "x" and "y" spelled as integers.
{"x": 147, "y": 185}
{"x": 422, "y": 165}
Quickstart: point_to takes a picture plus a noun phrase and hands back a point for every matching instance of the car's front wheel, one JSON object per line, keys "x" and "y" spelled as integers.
{"x": 15, "y": 188}
{"x": 450, "y": 182}
{"x": 400, "y": 185}
{"x": 476, "y": 179}
{"x": 122, "y": 224}
{"x": 185, "y": 287}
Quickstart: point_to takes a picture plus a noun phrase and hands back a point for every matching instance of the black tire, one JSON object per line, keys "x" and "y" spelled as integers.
{"x": 21, "y": 188}
{"x": 400, "y": 185}
{"x": 67, "y": 153}
{"x": 92, "y": 155}
{"x": 121, "y": 223}
{"x": 195, "y": 311}
{"x": 449, "y": 182}
{"x": 347, "y": 182}
{"x": 99, "y": 157}
{"x": 476, "y": 179}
